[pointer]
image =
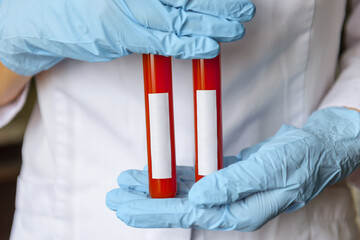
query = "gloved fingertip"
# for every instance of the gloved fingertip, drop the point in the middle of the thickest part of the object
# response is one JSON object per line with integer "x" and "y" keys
{"x": 196, "y": 48}
{"x": 195, "y": 200}
{"x": 247, "y": 12}
{"x": 215, "y": 189}
{"x": 146, "y": 168}
{"x": 131, "y": 177}
{"x": 110, "y": 199}
{"x": 209, "y": 53}
{"x": 212, "y": 49}
{"x": 237, "y": 32}
{"x": 202, "y": 194}
{"x": 123, "y": 176}
{"x": 133, "y": 214}
{"x": 124, "y": 217}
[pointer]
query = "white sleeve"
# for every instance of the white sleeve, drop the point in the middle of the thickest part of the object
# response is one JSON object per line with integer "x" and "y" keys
{"x": 346, "y": 90}
{"x": 8, "y": 112}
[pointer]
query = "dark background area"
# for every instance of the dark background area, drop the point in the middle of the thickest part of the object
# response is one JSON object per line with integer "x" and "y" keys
{"x": 10, "y": 163}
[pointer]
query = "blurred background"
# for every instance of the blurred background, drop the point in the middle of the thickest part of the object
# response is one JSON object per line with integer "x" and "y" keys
{"x": 10, "y": 163}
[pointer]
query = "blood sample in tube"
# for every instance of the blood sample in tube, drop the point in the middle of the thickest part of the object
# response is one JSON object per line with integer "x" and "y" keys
{"x": 159, "y": 125}
{"x": 208, "y": 121}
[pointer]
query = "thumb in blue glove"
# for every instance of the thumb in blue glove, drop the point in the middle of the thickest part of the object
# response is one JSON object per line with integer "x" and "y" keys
{"x": 301, "y": 162}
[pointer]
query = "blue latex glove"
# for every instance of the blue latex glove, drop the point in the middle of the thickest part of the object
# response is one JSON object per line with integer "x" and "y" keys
{"x": 282, "y": 173}
{"x": 37, "y": 34}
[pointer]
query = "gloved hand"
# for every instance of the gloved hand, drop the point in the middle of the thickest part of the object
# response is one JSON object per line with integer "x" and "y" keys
{"x": 37, "y": 34}
{"x": 280, "y": 174}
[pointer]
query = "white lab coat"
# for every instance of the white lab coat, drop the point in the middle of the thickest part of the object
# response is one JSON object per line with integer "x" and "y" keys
{"x": 89, "y": 125}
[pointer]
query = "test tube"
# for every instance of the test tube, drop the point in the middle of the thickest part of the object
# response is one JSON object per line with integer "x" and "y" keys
{"x": 208, "y": 123}
{"x": 159, "y": 125}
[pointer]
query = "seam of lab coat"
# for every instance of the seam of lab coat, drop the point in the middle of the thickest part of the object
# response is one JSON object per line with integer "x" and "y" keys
{"x": 304, "y": 107}
{"x": 318, "y": 99}
{"x": 63, "y": 163}
{"x": 297, "y": 113}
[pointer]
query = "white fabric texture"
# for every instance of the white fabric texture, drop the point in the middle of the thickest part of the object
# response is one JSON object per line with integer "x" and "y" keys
{"x": 346, "y": 91}
{"x": 89, "y": 125}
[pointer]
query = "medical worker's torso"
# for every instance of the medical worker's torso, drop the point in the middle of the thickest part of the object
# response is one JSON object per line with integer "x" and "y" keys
{"x": 89, "y": 125}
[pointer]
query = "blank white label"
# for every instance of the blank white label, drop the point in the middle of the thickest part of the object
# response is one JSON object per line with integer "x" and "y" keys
{"x": 207, "y": 131}
{"x": 160, "y": 135}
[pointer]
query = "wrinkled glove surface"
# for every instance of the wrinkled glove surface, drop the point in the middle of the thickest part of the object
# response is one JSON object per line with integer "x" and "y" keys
{"x": 281, "y": 174}
{"x": 37, "y": 34}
